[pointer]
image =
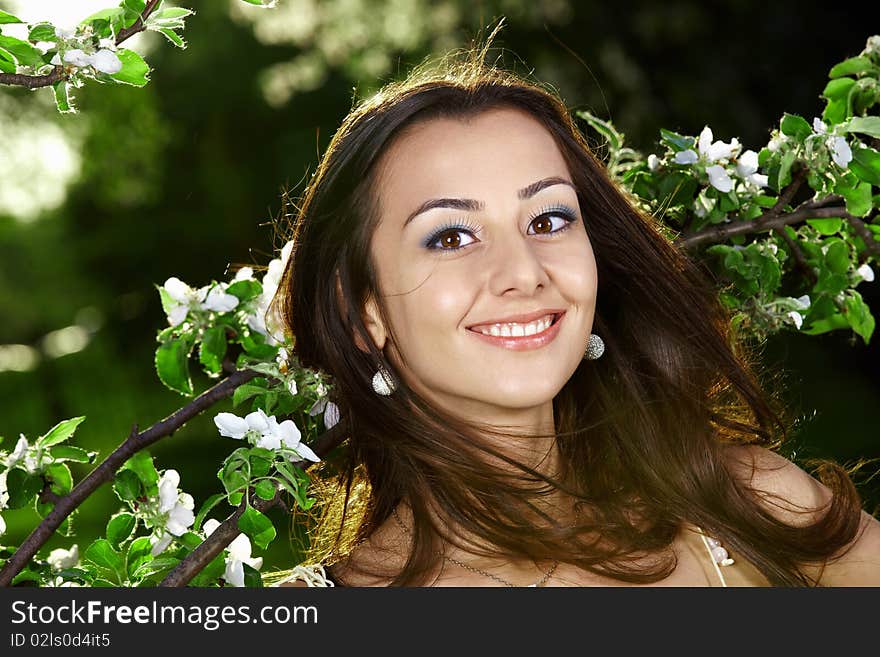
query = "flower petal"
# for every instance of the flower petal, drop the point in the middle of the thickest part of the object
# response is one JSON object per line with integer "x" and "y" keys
{"x": 866, "y": 272}
{"x": 718, "y": 178}
{"x": 231, "y": 426}
{"x": 685, "y": 157}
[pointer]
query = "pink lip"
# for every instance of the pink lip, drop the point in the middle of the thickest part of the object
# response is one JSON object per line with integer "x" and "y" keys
{"x": 525, "y": 342}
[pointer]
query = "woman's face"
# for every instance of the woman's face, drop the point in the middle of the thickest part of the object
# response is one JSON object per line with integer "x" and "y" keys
{"x": 502, "y": 236}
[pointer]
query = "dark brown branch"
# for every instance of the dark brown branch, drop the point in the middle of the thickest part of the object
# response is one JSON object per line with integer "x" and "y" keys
{"x": 34, "y": 81}
{"x": 801, "y": 263}
{"x": 61, "y": 72}
{"x": 765, "y": 223}
{"x": 139, "y": 24}
{"x": 872, "y": 245}
{"x": 106, "y": 470}
{"x": 226, "y": 532}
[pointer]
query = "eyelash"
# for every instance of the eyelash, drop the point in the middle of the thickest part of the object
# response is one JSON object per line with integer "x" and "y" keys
{"x": 569, "y": 215}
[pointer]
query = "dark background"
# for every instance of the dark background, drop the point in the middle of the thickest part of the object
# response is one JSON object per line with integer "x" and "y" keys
{"x": 183, "y": 177}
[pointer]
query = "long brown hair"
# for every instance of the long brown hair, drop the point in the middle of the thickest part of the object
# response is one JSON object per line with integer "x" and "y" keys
{"x": 641, "y": 432}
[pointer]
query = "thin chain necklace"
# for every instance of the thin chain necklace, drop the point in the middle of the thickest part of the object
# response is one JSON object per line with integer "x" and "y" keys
{"x": 540, "y": 582}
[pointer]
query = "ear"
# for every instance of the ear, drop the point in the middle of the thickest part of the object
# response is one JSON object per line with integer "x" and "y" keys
{"x": 371, "y": 318}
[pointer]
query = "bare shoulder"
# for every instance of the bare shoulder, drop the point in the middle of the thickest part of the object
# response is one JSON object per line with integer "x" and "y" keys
{"x": 791, "y": 494}
{"x": 797, "y": 498}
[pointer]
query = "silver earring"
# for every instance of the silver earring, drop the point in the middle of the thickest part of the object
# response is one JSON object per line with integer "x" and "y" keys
{"x": 383, "y": 382}
{"x": 595, "y": 347}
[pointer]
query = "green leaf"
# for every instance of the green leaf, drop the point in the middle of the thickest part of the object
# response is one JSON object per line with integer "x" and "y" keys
{"x": 127, "y": 485}
{"x": 826, "y": 324}
{"x": 213, "y": 348}
{"x": 837, "y": 256}
{"x": 22, "y": 487}
{"x": 858, "y": 315}
{"x": 858, "y": 199}
{"x": 62, "y": 97}
{"x": 8, "y": 18}
{"x": 868, "y": 125}
{"x": 828, "y": 226}
{"x": 676, "y": 141}
{"x": 211, "y": 573}
{"x": 172, "y": 36}
{"x": 23, "y": 52}
{"x": 103, "y": 14}
{"x": 852, "y": 66}
{"x": 171, "y": 13}
{"x": 154, "y": 566}
{"x": 784, "y": 176}
{"x": 101, "y": 553}
{"x": 611, "y": 136}
{"x": 134, "y": 6}
{"x": 252, "y": 577}
{"x": 246, "y": 391}
{"x": 208, "y": 504}
{"x": 120, "y": 528}
{"x": 61, "y": 481}
{"x": 172, "y": 366}
{"x": 837, "y": 89}
{"x": 139, "y": 552}
{"x": 71, "y": 453}
{"x": 257, "y": 526}
{"x": 42, "y": 32}
{"x": 245, "y": 290}
{"x": 135, "y": 70}
{"x": 142, "y": 465}
{"x": 6, "y": 65}
{"x": 60, "y": 432}
{"x": 866, "y": 164}
{"x": 795, "y": 126}
{"x": 265, "y": 489}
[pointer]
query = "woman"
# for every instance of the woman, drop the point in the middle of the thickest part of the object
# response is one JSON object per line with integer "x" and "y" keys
{"x": 539, "y": 389}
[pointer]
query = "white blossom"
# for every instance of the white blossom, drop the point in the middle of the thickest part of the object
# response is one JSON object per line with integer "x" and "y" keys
{"x": 873, "y": 45}
{"x": 182, "y": 297}
{"x": 238, "y": 553}
{"x": 331, "y": 415}
{"x": 265, "y": 432}
{"x": 4, "y": 491}
{"x": 59, "y": 559}
{"x": 686, "y": 157}
{"x": 106, "y": 61}
{"x": 77, "y": 57}
{"x": 63, "y": 33}
{"x": 796, "y": 318}
{"x": 819, "y": 126}
{"x": 18, "y": 452}
{"x": 218, "y": 300}
{"x": 840, "y": 151}
{"x": 653, "y": 162}
{"x": 718, "y": 178}
{"x": 107, "y": 43}
{"x": 244, "y": 274}
{"x": 774, "y": 144}
{"x": 2, "y": 526}
{"x": 230, "y": 425}
{"x": 56, "y": 60}
{"x": 803, "y": 301}
{"x": 718, "y": 150}
{"x": 177, "y": 511}
{"x": 866, "y": 272}
{"x": 747, "y": 168}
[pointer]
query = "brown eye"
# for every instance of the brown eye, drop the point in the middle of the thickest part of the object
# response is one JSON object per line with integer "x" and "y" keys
{"x": 543, "y": 221}
{"x": 451, "y": 240}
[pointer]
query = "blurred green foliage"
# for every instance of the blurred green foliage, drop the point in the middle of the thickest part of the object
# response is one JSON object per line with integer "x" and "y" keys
{"x": 183, "y": 177}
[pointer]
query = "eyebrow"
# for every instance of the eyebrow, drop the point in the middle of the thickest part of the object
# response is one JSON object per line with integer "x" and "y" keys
{"x": 473, "y": 205}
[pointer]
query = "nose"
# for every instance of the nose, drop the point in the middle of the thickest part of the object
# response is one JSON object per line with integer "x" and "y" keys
{"x": 516, "y": 266}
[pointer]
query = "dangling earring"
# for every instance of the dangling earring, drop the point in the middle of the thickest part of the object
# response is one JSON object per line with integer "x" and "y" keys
{"x": 383, "y": 382}
{"x": 595, "y": 347}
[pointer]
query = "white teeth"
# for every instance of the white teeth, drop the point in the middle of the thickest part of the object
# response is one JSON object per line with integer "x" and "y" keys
{"x": 515, "y": 330}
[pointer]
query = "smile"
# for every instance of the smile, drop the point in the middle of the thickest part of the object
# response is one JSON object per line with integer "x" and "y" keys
{"x": 521, "y": 337}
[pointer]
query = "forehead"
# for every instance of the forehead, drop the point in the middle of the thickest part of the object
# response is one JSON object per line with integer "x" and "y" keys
{"x": 499, "y": 150}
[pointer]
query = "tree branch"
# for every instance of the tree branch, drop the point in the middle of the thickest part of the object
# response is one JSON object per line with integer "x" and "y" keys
{"x": 226, "y": 532}
{"x": 106, "y": 470}
{"x": 766, "y": 222}
{"x": 139, "y": 24}
{"x": 61, "y": 72}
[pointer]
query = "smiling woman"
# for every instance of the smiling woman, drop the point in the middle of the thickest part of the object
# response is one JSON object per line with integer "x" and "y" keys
{"x": 539, "y": 389}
